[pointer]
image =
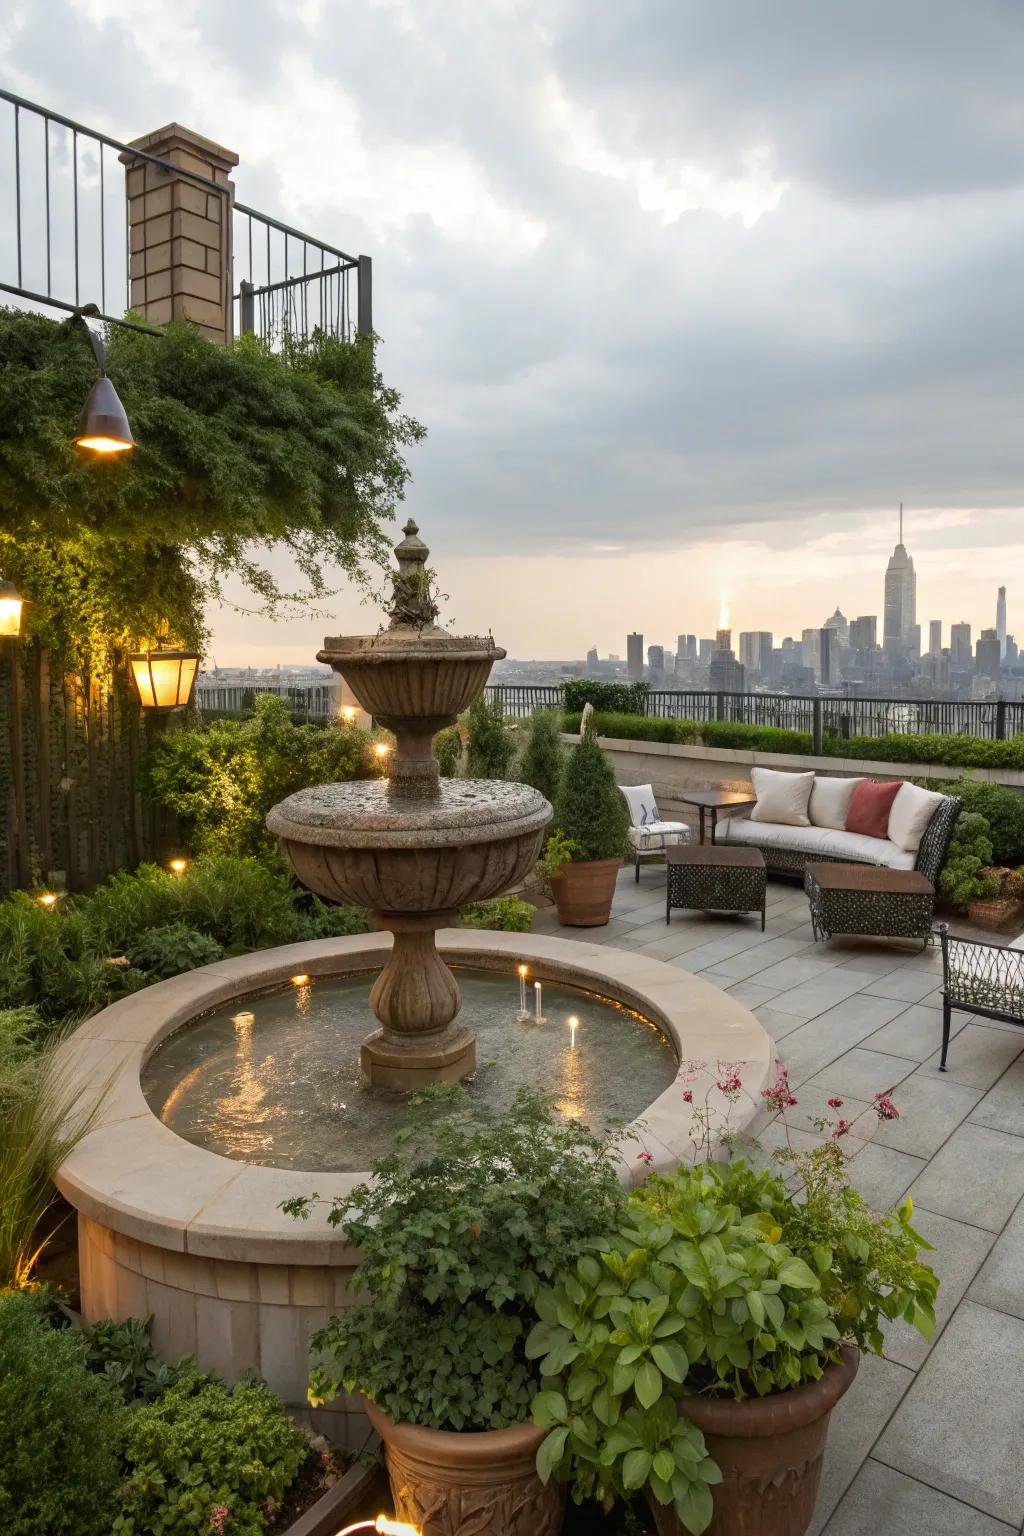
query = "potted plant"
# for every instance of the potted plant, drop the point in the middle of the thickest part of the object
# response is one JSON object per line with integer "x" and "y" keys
{"x": 463, "y": 1224}
{"x": 698, "y": 1357}
{"x": 1005, "y": 903}
{"x": 592, "y": 817}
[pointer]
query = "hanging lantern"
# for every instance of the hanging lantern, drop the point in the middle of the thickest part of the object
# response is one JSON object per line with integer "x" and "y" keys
{"x": 11, "y": 604}
{"x": 103, "y": 427}
{"x": 164, "y": 678}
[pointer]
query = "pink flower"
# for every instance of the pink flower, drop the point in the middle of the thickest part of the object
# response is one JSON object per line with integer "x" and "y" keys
{"x": 779, "y": 1095}
{"x": 219, "y": 1517}
{"x": 885, "y": 1109}
{"x": 645, "y": 1157}
{"x": 841, "y": 1129}
{"x": 835, "y": 1103}
{"x": 689, "y": 1071}
{"x": 688, "y": 1096}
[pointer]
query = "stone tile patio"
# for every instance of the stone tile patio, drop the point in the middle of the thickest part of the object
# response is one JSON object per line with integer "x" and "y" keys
{"x": 927, "y": 1442}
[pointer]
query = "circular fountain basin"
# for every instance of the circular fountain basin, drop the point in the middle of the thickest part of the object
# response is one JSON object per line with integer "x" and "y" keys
{"x": 197, "y": 1238}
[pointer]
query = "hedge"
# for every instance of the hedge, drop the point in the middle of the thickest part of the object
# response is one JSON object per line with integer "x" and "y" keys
{"x": 951, "y": 751}
{"x": 627, "y": 698}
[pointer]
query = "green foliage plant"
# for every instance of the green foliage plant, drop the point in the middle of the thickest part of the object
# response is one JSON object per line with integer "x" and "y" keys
{"x": 173, "y": 948}
{"x": 964, "y": 876}
{"x": 1002, "y": 808}
{"x": 124, "y": 1354}
{"x": 490, "y": 745}
{"x": 448, "y": 750}
{"x": 591, "y": 810}
{"x": 558, "y": 850}
{"x": 542, "y": 763}
{"x": 464, "y": 1222}
{"x": 637, "y": 727}
{"x": 207, "y": 1457}
{"x": 507, "y": 914}
{"x": 60, "y": 1429}
{"x": 219, "y": 780}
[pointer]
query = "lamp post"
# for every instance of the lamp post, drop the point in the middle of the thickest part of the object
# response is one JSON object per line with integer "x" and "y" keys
{"x": 103, "y": 426}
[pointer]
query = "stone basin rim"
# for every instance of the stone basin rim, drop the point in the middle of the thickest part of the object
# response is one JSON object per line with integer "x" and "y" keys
{"x": 366, "y": 814}
{"x": 135, "y": 1176}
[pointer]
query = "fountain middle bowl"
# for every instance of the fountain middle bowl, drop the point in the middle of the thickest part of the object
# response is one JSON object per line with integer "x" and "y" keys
{"x": 361, "y": 844}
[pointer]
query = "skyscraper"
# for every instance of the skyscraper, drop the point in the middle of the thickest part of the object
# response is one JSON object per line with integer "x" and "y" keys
{"x": 635, "y": 657}
{"x": 826, "y": 655}
{"x": 864, "y": 632}
{"x": 756, "y": 649}
{"x": 987, "y": 655}
{"x": 900, "y": 597}
{"x": 840, "y": 627}
{"x": 960, "y": 652}
{"x": 934, "y": 637}
{"x": 1001, "y": 622}
{"x": 656, "y": 658}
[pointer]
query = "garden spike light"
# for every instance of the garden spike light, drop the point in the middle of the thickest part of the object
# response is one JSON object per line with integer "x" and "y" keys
{"x": 383, "y": 1525}
{"x": 103, "y": 427}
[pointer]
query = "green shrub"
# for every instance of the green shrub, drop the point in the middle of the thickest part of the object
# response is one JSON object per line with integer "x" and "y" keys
{"x": 591, "y": 810}
{"x": 638, "y": 728}
{"x": 220, "y": 780}
{"x": 448, "y": 751}
{"x": 957, "y": 751}
{"x": 175, "y": 947}
{"x": 123, "y": 1353}
{"x": 755, "y": 738}
{"x": 201, "y": 1445}
{"x": 1002, "y": 808}
{"x": 612, "y": 698}
{"x": 490, "y": 747}
{"x": 465, "y": 1220}
{"x": 509, "y": 914}
{"x": 60, "y": 1429}
{"x": 970, "y": 852}
{"x": 543, "y": 761}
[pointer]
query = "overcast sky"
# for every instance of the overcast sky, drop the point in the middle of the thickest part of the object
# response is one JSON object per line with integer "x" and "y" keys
{"x": 688, "y": 293}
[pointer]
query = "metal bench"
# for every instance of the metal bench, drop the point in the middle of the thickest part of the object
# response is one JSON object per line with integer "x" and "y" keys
{"x": 986, "y": 979}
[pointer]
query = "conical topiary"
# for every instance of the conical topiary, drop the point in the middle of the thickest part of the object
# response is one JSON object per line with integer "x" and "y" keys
{"x": 543, "y": 762}
{"x": 590, "y": 808}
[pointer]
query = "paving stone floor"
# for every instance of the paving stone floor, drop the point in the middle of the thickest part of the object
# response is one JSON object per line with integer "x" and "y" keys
{"x": 927, "y": 1442}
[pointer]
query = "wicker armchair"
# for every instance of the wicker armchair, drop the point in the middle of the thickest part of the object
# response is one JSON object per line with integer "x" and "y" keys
{"x": 981, "y": 978}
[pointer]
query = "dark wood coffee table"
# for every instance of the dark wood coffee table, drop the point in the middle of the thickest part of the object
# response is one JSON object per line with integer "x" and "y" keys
{"x": 866, "y": 899}
{"x": 708, "y": 879}
{"x": 715, "y": 800}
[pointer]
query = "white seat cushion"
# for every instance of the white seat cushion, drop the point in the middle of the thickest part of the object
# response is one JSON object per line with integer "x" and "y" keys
{"x": 643, "y": 808}
{"x": 781, "y": 797}
{"x": 657, "y": 835}
{"x": 910, "y": 814}
{"x": 823, "y": 840}
{"x": 830, "y": 801}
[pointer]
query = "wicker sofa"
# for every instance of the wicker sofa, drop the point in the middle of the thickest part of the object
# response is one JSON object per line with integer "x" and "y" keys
{"x": 788, "y": 850}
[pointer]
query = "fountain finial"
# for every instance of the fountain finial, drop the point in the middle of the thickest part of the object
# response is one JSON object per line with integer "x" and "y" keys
{"x": 412, "y": 603}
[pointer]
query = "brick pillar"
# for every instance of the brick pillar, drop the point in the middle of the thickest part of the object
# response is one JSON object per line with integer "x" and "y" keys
{"x": 179, "y": 231}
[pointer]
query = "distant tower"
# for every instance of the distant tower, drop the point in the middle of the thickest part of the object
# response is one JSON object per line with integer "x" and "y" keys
{"x": 635, "y": 657}
{"x": 900, "y": 597}
{"x": 1001, "y": 622}
{"x": 935, "y": 637}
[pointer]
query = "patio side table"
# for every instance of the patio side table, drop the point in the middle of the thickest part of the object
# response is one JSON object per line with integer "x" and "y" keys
{"x": 712, "y": 879}
{"x": 866, "y": 899}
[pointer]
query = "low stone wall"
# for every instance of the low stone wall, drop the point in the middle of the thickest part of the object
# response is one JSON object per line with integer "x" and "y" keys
{"x": 672, "y": 770}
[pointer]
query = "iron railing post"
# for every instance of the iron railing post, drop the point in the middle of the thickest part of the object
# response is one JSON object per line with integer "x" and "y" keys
{"x": 816, "y": 732}
{"x": 246, "y": 308}
{"x": 1000, "y": 719}
{"x": 364, "y": 312}
{"x": 719, "y": 706}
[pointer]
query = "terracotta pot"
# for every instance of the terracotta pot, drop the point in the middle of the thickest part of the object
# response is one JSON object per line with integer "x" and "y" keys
{"x": 584, "y": 892}
{"x": 770, "y": 1451}
{"x": 473, "y": 1484}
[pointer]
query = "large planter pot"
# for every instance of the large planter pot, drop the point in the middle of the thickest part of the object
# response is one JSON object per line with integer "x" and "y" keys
{"x": 584, "y": 892}
{"x": 999, "y": 912}
{"x": 770, "y": 1451}
{"x": 474, "y": 1484}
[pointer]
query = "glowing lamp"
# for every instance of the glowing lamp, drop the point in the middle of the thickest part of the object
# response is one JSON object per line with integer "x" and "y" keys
{"x": 382, "y": 749}
{"x": 348, "y": 713}
{"x": 47, "y": 899}
{"x": 178, "y": 866}
{"x": 103, "y": 427}
{"x": 164, "y": 678}
{"x": 300, "y": 981}
{"x": 384, "y": 1526}
{"x": 11, "y": 604}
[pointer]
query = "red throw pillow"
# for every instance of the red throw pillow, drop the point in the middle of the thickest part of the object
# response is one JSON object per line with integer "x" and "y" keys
{"x": 870, "y": 805}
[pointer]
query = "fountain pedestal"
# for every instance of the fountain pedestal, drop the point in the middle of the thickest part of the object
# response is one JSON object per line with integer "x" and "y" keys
{"x": 413, "y": 848}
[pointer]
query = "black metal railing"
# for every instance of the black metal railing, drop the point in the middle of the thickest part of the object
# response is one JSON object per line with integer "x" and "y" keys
{"x": 64, "y": 235}
{"x": 818, "y": 715}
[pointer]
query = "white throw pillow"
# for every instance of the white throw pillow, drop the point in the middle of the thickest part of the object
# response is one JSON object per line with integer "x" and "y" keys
{"x": 911, "y": 812}
{"x": 643, "y": 808}
{"x": 830, "y": 801}
{"x": 781, "y": 797}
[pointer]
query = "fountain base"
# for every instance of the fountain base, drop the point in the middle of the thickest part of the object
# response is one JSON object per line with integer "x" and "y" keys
{"x": 402, "y": 1065}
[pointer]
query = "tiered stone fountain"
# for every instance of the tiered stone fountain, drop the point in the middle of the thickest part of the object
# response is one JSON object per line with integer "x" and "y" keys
{"x": 413, "y": 848}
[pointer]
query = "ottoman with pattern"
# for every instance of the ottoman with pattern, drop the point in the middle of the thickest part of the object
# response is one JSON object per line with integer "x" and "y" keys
{"x": 865, "y": 899}
{"x": 708, "y": 878}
